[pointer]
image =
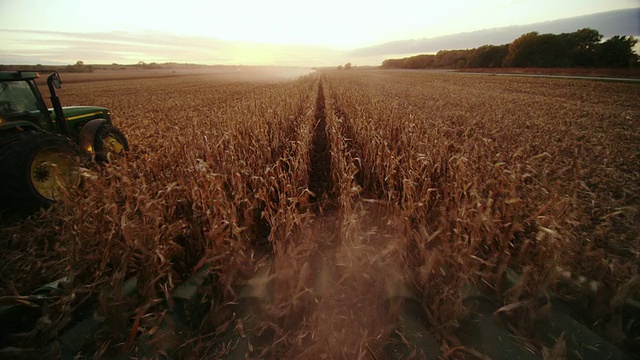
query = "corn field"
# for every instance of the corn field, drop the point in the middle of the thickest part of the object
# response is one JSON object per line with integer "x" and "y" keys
{"x": 331, "y": 197}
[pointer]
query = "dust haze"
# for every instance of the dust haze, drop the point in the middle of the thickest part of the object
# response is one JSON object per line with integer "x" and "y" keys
{"x": 333, "y": 291}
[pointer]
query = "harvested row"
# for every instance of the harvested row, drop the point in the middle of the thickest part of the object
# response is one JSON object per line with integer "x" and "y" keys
{"x": 320, "y": 182}
{"x": 216, "y": 169}
{"x": 491, "y": 175}
{"x": 338, "y": 289}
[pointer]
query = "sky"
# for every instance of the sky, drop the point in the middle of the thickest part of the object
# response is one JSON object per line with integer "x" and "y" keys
{"x": 252, "y": 32}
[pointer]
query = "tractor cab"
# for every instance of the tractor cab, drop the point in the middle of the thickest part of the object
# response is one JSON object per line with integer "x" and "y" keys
{"x": 20, "y": 100}
{"x": 39, "y": 145}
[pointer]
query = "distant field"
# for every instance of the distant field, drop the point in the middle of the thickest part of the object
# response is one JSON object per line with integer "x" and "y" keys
{"x": 230, "y": 73}
{"x": 630, "y": 73}
{"x": 352, "y": 187}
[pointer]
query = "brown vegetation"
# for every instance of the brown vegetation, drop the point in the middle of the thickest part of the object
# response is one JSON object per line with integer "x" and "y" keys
{"x": 430, "y": 182}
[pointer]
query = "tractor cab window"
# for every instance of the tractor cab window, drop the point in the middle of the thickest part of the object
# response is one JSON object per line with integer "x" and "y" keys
{"x": 18, "y": 102}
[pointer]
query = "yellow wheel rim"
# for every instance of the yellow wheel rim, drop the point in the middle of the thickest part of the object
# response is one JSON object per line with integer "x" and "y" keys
{"x": 53, "y": 172}
{"x": 112, "y": 145}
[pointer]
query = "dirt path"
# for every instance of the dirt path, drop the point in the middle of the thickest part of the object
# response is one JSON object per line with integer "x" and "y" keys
{"x": 337, "y": 295}
{"x": 338, "y": 290}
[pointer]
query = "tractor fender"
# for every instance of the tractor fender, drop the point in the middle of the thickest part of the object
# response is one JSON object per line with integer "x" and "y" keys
{"x": 88, "y": 134}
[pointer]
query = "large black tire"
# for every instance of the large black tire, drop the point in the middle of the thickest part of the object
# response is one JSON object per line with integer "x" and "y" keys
{"x": 109, "y": 142}
{"x": 37, "y": 169}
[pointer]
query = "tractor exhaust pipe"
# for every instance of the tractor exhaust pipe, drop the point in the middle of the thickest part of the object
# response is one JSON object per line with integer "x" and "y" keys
{"x": 53, "y": 82}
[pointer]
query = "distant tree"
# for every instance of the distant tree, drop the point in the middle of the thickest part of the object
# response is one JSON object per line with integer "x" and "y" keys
{"x": 585, "y": 38}
{"x": 451, "y": 58}
{"x": 521, "y": 51}
{"x": 535, "y": 50}
{"x": 79, "y": 66}
{"x": 488, "y": 56}
{"x": 580, "y": 48}
{"x": 340, "y": 67}
{"x": 419, "y": 62}
{"x": 551, "y": 50}
{"x": 347, "y": 66}
{"x": 394, "y": 63}
{"x": 583, "y": 46}
{"x": 617, "y": 52}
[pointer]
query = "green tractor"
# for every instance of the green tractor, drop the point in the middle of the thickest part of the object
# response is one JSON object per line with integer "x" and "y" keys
{"x": 40, "y": 147}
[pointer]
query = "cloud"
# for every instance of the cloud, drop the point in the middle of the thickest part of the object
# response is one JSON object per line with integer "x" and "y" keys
{"x": 127, "y": 47}
{"x": 619, "y": 22}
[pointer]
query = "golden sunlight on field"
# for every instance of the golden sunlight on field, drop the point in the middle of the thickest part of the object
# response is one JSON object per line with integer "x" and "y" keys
{"x": 346, "y": 214}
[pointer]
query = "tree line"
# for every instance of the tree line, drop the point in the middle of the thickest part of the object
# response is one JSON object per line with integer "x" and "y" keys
{"x": 582, "y": 48}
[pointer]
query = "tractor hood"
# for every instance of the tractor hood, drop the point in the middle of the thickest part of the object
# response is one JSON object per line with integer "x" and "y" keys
{"x": 74, "y": 113}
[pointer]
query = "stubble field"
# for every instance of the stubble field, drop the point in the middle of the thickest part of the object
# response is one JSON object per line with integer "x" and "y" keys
{"x": 344, "y": 191}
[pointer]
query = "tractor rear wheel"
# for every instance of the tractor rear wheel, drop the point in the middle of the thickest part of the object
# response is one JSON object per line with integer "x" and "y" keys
{"x": 38, "y": 169}
{"x": 109, "y": 141}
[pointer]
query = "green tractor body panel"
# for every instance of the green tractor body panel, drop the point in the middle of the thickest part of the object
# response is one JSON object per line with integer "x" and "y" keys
{"x": 78, "y": 116}
{"x": 83, "y": 113}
